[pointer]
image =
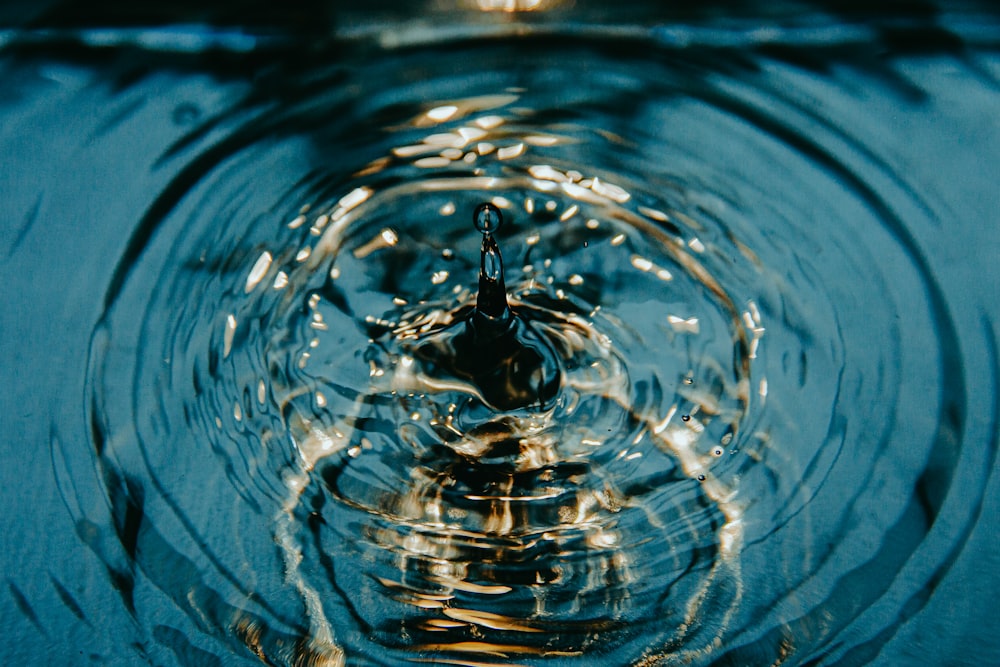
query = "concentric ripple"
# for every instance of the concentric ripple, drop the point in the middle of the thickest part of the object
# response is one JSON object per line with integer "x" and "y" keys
{"x": 757, "y": 415}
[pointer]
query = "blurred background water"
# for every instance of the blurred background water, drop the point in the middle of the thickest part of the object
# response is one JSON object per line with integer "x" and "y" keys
{"x": 756, "y": 243}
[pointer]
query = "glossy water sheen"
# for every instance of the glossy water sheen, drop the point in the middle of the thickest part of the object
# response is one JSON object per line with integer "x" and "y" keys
{"x": 738, "y": 407}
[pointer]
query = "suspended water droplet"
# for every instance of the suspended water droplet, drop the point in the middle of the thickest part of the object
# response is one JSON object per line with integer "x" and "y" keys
{"x": 487, "y": 218}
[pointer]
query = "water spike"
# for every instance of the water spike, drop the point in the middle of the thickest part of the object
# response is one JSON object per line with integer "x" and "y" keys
{"x": 511, "y": 365}
{"x": 491, "y": 302}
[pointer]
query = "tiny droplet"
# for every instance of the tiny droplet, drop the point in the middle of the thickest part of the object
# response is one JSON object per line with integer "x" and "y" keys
{"x": 487, "y": 218}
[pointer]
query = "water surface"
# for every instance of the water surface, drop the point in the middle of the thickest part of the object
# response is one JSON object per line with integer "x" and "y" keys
{"x": 750, "y": 251}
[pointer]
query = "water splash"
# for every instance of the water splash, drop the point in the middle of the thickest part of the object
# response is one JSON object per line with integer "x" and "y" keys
{"x": 625, "y": 445}
{"x": 491, "y": 301}
{"x": 514, "y": 496}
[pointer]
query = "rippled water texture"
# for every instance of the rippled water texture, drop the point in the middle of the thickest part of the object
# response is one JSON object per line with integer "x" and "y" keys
{"x": 746, "y": 414}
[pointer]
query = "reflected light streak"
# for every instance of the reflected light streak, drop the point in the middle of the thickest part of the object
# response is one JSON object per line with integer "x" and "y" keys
{"x": 511, "y": 6}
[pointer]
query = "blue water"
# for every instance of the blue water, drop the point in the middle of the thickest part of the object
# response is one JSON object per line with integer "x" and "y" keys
{"x": 757, "y": 243}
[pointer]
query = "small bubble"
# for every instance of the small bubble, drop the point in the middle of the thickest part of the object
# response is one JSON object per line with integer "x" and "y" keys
{"x": 717, "y": 451}
{"x": 487, "y": 218}
{"x": 686, "y": 418}
{"x": 701, "y": 478}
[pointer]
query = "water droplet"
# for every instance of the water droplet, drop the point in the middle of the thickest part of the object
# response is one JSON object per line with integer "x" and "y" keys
{"x": 686, "y": 418}
{"x": 487, "y": 218}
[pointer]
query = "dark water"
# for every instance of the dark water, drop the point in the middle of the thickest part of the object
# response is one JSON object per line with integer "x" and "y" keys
{"x": 746, "y": 415}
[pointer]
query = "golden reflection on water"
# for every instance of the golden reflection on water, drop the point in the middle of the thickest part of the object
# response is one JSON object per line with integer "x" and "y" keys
{"x": 512, "y": 6}
{"x": 435, "y": 544}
